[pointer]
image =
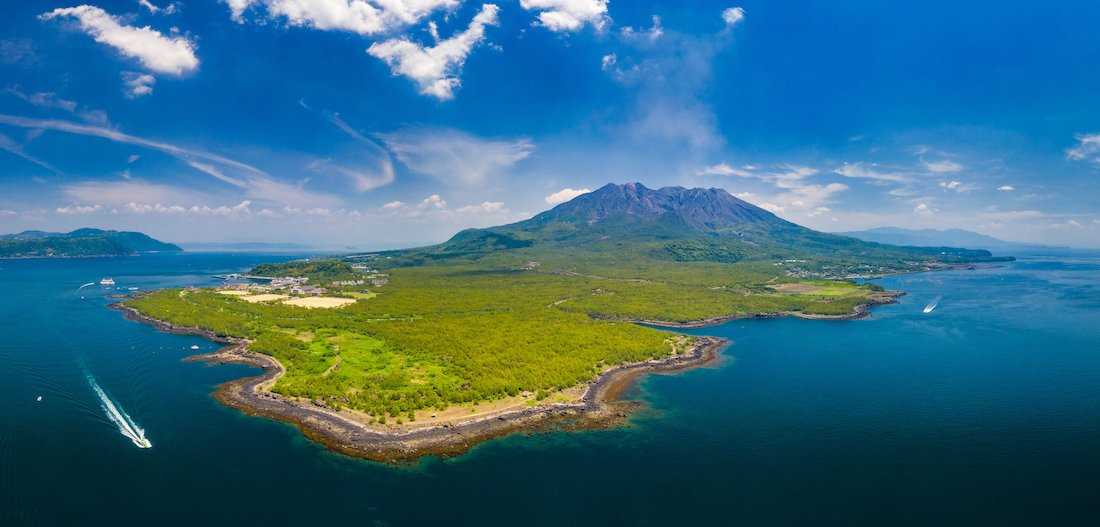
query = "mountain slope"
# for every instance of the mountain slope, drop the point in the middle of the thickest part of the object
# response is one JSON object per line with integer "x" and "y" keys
{"x": 81, "y": 242}
{"x": 679, "y": 224}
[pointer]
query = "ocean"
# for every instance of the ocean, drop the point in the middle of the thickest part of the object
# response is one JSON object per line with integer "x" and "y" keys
{"x": 985, "y": 410}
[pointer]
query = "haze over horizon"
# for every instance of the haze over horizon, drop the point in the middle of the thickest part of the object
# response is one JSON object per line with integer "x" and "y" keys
{"x": 344, "y": 122}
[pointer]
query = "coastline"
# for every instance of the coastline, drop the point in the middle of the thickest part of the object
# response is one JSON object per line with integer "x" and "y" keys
{"x": 599, "y": 406}
{"x": 863, "y": 310}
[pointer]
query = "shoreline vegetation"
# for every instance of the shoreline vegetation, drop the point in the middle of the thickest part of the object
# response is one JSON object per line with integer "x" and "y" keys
{"x": 595, "y": 404}
{"x": 518, "y": 326}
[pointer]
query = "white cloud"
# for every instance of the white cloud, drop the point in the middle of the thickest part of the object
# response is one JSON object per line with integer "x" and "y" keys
{"x": 942, "y": 167}
{"x": 568, "y": 15}
{"x": 796, "y": 197}
{"x": 456, "y": 157}
{"x": 170, "y": 55}
{"x": 362, "y": 179}
{"x": 608, "y": 61}
{"x": 1006, "y": 188}
{"x": 9, "y": 145}
{"x": 119, "y": 193}
{"x": 1087, "y": 149}
{"x": 724, "y": 169}
{"x": 565, "y": 194}
{"x": 238, "y": 7}
{"x": 677, "y": 120}
{"x": 357, "y": 16}
{"x": 957, "y": 186}
{"x": 51, "y": 100}
{"x": 7, "y": 212}
{"x": 137, "y": 84}
{"x": 670, "y": 79}
{"x": 215, "y": 172}
{"x": 652, "y": 34}
{"x": 166, "y": 10}
{"x": 43, "y": 99}
{"x": 243, "y": 208}
{"x": 433, "y": 201}
{"x": 132, "y": 158}
{"x": 79, "y": 209}
{"x": 435, "y": 69}
{"x": 393, "y": 205}
{"x": 732, "y": 15}
{"x": 861, "y": 171}
{"x": 721, "y": 169}
{"x": 369, "y": 178}
{"x": 487, "y": 207}
{"x": 924, "y": 209}
{"x": 256, "y": 183}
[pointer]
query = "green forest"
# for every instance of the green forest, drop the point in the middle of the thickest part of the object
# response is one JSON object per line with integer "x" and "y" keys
{"x": 440, "y": 335}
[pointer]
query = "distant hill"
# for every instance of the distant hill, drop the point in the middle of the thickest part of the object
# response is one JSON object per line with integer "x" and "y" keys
{"x": 81, "y": 242}
{"x": 946, "y": 237}
{"x": 680, "y": 224}
{"x": 250, "y": 247}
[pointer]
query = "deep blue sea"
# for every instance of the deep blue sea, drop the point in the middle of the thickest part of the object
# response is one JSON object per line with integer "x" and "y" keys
{"x": 985, "y": 411}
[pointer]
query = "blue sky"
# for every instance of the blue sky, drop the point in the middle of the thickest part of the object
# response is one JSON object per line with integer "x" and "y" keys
{"x": 383, "y": 123}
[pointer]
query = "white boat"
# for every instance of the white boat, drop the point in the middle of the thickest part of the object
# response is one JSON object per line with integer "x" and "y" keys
{"x": 194, "y": 346}
{"x": 107, "y": 281}
{"x": 38, "y": 399}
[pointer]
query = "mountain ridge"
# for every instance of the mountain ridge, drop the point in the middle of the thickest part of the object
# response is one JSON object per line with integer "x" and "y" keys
{"x": 678, "y": 224}
{"x": 80, "y": 242}
{"x": 943, "y": 237}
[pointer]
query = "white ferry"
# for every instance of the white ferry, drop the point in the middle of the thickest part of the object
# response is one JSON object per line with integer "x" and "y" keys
{"x": 107, "y": 281}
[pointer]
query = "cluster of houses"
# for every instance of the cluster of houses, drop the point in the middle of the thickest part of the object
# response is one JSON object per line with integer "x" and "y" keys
{"x": 371, "y": 275}
{"x": 284, "y": 282}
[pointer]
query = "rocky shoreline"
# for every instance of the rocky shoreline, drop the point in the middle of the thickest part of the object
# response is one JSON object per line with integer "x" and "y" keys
{"x": 599, "y": 406}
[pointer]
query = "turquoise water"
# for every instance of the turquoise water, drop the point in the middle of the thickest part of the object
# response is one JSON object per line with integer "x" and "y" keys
{"x": 985, "y": 411}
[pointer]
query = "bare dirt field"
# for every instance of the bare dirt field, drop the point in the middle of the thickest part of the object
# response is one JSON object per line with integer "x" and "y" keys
{"x": 267, "y": 297}
{"x": 322, "y": 302}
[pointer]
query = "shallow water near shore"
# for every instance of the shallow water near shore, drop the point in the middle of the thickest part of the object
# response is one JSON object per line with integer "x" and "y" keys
{"x": 986, "y": 410}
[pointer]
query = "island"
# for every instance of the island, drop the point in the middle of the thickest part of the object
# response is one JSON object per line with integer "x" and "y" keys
{"x": 81, "y": 243}
{"x": 398, "y": 354}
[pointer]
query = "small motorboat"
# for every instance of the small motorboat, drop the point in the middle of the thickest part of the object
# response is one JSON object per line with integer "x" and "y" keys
{"x": 107, "y": 281}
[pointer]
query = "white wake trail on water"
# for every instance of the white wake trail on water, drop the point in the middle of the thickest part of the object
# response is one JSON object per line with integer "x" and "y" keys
{"x": 118, "y": 416}
{"x": 932, "y": 305}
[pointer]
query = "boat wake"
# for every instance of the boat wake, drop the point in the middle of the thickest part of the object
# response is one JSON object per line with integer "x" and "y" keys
{"x": 932, "y": 305}
{"x": 118, "y": 416}
{"x": 89, "y": 284}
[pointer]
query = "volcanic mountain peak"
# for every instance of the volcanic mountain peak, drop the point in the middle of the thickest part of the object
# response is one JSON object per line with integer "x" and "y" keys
{"x": 698, "y": 208}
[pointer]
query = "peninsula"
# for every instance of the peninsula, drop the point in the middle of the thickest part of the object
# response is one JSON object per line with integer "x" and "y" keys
{"x": 79, "y": 243}
{"x": 398, "y": 354}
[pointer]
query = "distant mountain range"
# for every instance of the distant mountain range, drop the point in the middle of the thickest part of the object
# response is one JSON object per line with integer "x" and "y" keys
{"x": 248, "y": 247}
{"x": 81, "y": 242}
{"x": 681, "y": 224}
{"x": 946, "y": 238}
